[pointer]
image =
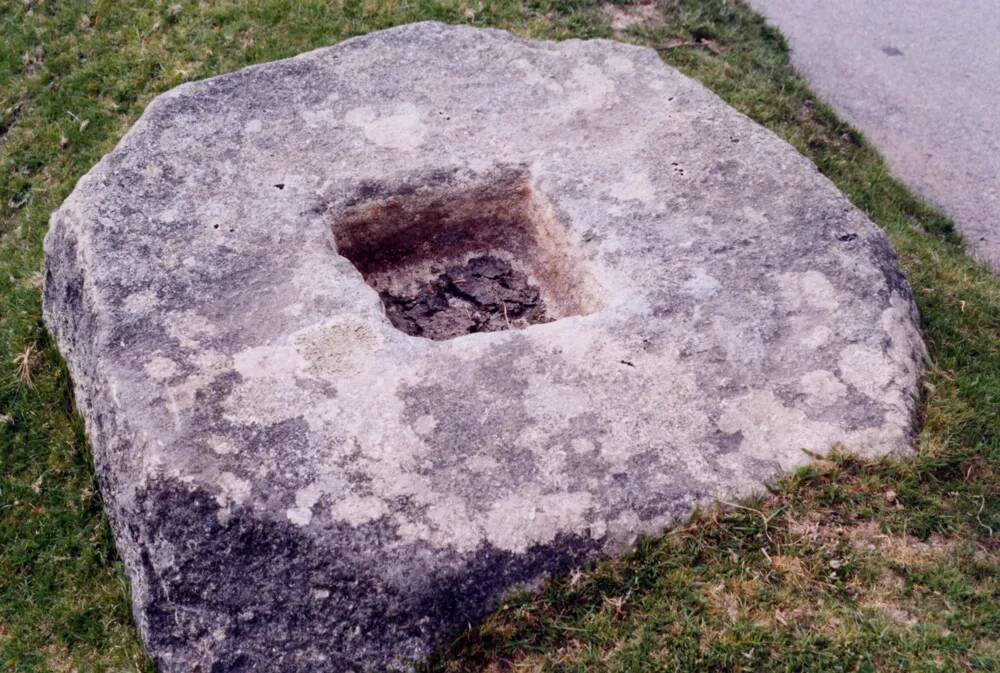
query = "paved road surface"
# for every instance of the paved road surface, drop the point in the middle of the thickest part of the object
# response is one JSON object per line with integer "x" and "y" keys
{"x": 921, "y": 79}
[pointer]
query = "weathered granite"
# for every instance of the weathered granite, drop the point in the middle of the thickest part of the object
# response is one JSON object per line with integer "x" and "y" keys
{"x": 296, "y": 485}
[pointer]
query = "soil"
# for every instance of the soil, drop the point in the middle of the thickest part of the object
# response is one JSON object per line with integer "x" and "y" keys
{"x": 485, "y": 294}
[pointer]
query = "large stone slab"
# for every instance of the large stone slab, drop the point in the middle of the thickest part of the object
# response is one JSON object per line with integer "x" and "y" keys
{"x": 265, "y": 295}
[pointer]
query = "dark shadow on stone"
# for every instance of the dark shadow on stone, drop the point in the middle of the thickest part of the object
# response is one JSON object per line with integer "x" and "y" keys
{"x": 265, "y": 595}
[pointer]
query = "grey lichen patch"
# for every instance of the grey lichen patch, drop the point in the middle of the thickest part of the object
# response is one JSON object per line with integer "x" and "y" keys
{"x": 262, "y": 295}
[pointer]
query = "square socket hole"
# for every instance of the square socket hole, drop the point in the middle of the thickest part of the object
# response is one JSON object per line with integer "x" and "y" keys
{"x": 456, "y": 254}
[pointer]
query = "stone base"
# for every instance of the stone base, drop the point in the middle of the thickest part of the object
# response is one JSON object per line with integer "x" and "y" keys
{"x": 366, "y": 338}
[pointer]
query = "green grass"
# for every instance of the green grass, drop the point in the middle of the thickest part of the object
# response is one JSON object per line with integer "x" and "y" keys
{"x": 848, "y": 566}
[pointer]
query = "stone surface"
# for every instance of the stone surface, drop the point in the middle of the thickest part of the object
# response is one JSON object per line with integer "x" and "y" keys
{"x": 296, "y": 485}
{"x": 921, "y": 79}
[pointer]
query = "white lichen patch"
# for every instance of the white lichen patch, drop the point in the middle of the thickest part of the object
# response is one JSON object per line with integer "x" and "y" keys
{"x": 207, "y": 364}
{"x": 817, "y": 337}
{"x": 634, "y": 186}
{"x": 534, "y": 77}
{"x": 761, "y": 418}
{"x": 161, "y": 368}
{"x": 259, "y": 402}
{"x": 232, "y": 491}
{"x": 305, "y": 499}
{"x": 324, "y": 115}
{"x": 516, "y": 522}
{"x": 357, "y": 510}
{"x": 481, "y": 463}
{"x": 190, "y": 328}
{"x": 141, "y": 302}
{"x": 906, "y": 347}
{"x": 400, "y": 126}
{"x": 223, "y": 446}
{"x": 809, "y": 289}
{"x": 867, "y": 369}
{"x": 555, "y": 405}
{"x": 425, "y": 424}
{"x": 591, "y": 89}
{"x": 265, "y": 362}
{"x": 701, "y": 285}
{"x": 269, "y": 389}
{"x": 821, "y": 387}
{"x": 450, "y": 524}
{"x": 620, "y": 64}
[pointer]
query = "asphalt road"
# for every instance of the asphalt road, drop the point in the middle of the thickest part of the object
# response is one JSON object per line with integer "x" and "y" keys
{"x": 921, "y": 79}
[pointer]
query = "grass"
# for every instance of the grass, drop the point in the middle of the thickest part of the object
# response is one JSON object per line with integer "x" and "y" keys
{"x": 847, "y": 566}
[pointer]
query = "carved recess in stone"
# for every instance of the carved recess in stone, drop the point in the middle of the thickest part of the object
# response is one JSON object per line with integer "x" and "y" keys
{"x": 451, "y": 256}
{"x": 322, "y": 444}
